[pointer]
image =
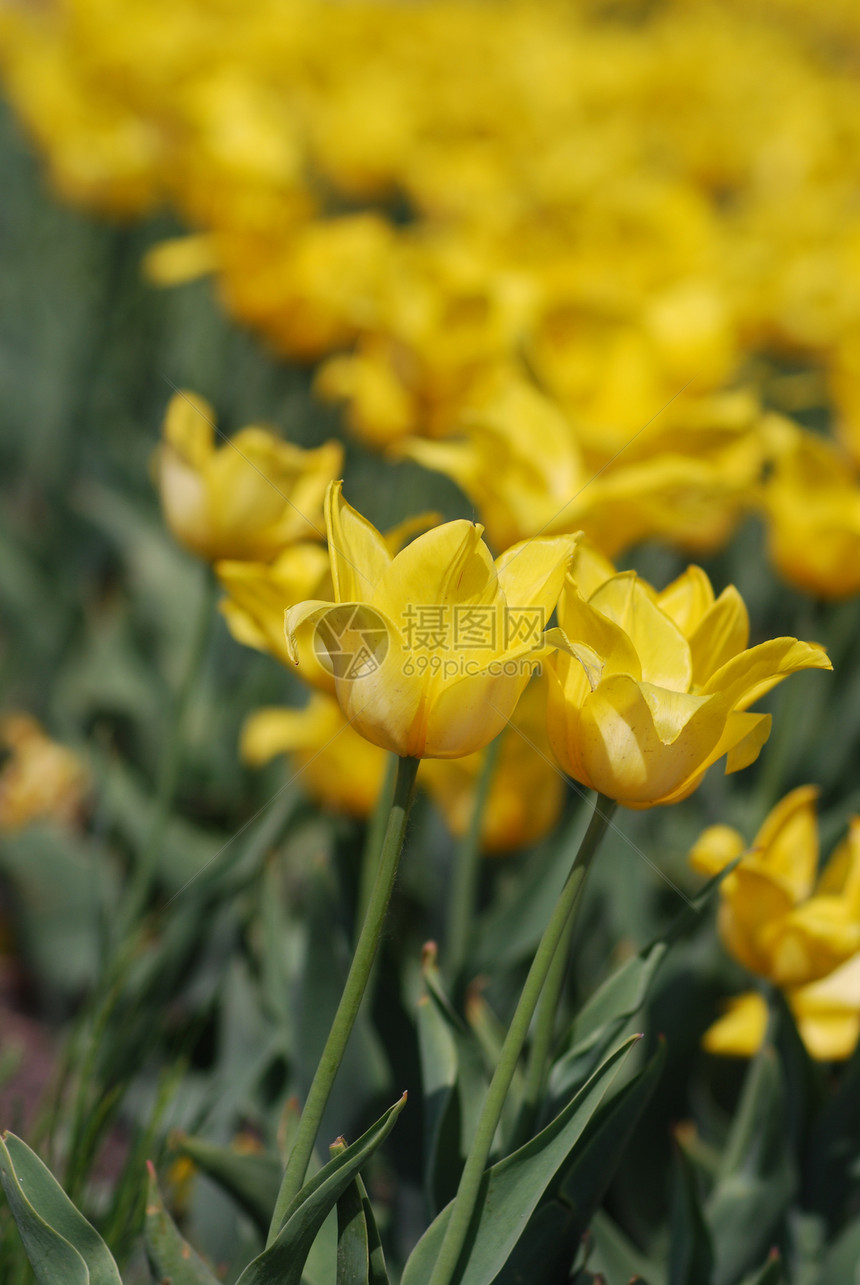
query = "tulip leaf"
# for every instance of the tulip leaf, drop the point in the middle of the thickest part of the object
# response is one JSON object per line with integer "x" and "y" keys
{"x": 830, "y": 1176}
{"x": 360, "y": 1258}
{"x": 549, "y": 1243}
{"x": 614, "y": 1255}
{"x": 756, "y": 1178}
{"x": 282, "y": 1262}
{"x": 251, "y": 1179}
{"x": 353, "y": 1249}
{"x": 512, "y": 1189}
{"x": 843, "y": 1256}
{"x": 602, "y": 1019}
{"x": 63, "y": 1248}
{"x": 170, "y": 1257}
{"x": 691, "y": 1254}
{"x": 454, "y": 1081}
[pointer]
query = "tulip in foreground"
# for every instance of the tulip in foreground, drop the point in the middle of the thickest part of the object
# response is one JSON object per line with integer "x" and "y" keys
{"x": 783, "y": 922}
{"x": 657, "y": 687}
{"x": 432, "y": 648}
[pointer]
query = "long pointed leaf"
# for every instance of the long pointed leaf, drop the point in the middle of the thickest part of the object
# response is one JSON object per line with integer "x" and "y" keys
{"x": 512, "y": 1189}
{"x": 170, "y": 1257}
{"x": 282, "y": 1262}
{"x": 63, "y": 1248}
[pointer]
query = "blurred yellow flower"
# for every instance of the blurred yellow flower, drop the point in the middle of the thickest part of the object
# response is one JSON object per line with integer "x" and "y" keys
{"x": 656, "y": 687}
{"x": 784, "y": 922}
{"x": 339, "y": 768}
{"x": 246, "y": 499}
{"x": 40, "y": 778}
{"x": 526, "y": 792}
{"x": 344, "y": 772}
{"x": 811, "y": 503}
{"x": 431, "y": 649}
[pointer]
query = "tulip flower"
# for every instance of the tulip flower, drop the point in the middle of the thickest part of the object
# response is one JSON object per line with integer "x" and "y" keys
{"x": 338, "y": 768}
{"x": 526, "y": 792}
{"x": 431, "y": 649}
{"x": 784, "y": 922}
{"x": 39, "y": 778}
{"x": 246, "y": 499}
{"x": 812, "y": 506}
{"x": 657, "y": 687}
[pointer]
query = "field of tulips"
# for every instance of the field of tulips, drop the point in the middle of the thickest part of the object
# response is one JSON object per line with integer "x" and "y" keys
{"x": 430, "y": 587}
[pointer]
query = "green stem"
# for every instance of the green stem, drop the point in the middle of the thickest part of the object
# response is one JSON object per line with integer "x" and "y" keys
{"x": 353, "y": 992}
{"x": 541, "y": 1044}
{"x": 373, "y": 840}
{"x": 145, "y": 868}
{"x": 466, "y": 1198}
{"x": 464, "y": 883}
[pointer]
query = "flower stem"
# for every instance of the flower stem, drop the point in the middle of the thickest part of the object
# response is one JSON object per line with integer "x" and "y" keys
{"x": 465, "y": 1200}
{"x": 373, "y": 841}
{"x": 168, "y": 768}
{"x": 464, "y": 884}
{"x": 353, "y": 992}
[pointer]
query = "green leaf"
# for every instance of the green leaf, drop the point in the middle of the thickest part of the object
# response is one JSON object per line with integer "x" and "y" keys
{"x": 549, "y": 1243}
{"x": 512, "y": 1189}
{"x": 829, "y": 1175}
{"x": 252, "y": 1180}
{"x": 615, "y": 1256}
{"x": 757, "y": 1177}
{"x": 282, "y": 1262}
{"x": 170, "y": 1257}
{"x": 360, "y": 1260}
{"x": 353, "y": 1249}
{"x": 842, "y": 1264}
{"x": 63, "y": 1248}
{"x": 454, "y": 1080}
{"x": 691, "y": 1254}
{"x": 602, "y": 1019}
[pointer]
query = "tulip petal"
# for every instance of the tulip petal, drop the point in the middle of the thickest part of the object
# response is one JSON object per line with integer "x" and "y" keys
{"x": 277, "y": 730}
{"x": 750, "y": 675}
{"x": 663, "y": 651}
{"x": 359, "y": 556}
{"x": 716, "y": 848}
{"x": 722, "y": 633}
{"x": 563, "y": 715}
{"x": 300, "y": 632}
{"x": 583, "y": 623}
{"x": 466, "y": 715}
{"x": 189, "y": 427}
{"x": 687, "y": 599}
{"x": 531, "y": 573}
{"x": 446, "y": 567}
{"x": 787, "y": 842}
{"x": 741, "y": 1030}
{"x": 640, "y": 743}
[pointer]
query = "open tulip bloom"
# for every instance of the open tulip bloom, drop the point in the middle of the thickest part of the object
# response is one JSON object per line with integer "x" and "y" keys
{"x": 657, "y": 686}
{"x": 430, "y": 649}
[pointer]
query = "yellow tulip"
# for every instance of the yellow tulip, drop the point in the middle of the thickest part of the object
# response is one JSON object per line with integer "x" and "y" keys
{"x": 246, "y": 499}
{"x": 812, "y": 507}
{"x": 39, "y": 778}
{"x": 259, "y": 591}
{"x": 827, "y": 1014}
{"x": 656, "y": 687}
{"x": 431, "y": 649}
{"x": 526, "y": 792}
{"x": 782, "y": 921}
{"x": 337, "y": 766}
